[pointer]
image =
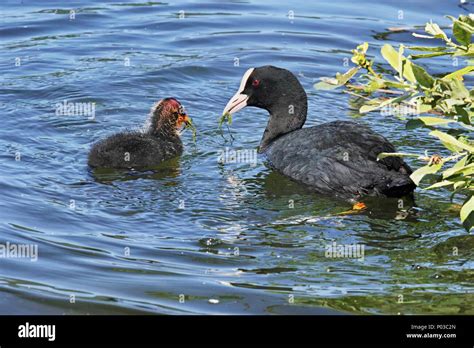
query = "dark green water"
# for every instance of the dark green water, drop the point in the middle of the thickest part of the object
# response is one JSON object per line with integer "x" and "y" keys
{"x": 226, "y": 238}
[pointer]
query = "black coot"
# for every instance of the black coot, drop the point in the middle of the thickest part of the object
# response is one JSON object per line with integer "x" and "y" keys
{"x": 337, "y": 158}
{"x": 149, "y": 148}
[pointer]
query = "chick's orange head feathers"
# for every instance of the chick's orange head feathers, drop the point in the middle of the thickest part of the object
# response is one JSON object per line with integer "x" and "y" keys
{"x": 173, "y": 108}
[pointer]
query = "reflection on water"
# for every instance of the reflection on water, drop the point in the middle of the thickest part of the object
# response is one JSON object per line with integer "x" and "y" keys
{"x": 169, "y": 169}
{"x": 194, "y": 235}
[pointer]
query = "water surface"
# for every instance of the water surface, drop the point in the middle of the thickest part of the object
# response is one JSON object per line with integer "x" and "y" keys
{"x": 198, "y": 236}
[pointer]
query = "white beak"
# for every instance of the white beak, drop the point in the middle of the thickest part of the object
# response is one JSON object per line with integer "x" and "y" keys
{"x": 239, "y": 100}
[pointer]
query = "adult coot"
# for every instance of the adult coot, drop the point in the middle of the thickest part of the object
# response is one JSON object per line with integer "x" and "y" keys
{"x": 148, "y": 148}
{"x": 337, "y": 158}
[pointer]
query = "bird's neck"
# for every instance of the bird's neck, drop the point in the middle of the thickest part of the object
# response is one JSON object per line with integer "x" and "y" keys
{"x": 162, "y": 127}
{"x": 284, "y": 118}
{"x": 164, "y": 133}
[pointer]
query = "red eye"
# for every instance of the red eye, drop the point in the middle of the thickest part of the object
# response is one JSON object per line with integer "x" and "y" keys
{"x": 255, "y": 83}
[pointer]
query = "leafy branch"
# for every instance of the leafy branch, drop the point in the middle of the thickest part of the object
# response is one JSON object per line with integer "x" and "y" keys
{"x": 409, "y": 90}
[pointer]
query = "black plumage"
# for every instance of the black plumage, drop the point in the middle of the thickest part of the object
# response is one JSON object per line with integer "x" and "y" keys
{"x": 337, "y": 158}
{"x": 340, "y": 158}
{"x": 141, "y": 149}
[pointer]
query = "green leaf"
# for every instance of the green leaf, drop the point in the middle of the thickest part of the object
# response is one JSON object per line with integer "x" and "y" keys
{"x": 469, "y": 222}
{"x": 439, "y": 184}
{"x": 422, "y": 77}
{"x": 467, "y": 208}
{"x": 375, "y": 104}
{"x": 429, "y": 55}
{"x": 396, "y": 84}
{"x": 463, "y": 53}
{"x": 435, "y": 30}
{"x": 464, "y": 171}
{"x": 459, "y": 90}
{"x": 461, "y": 33}
{"x": 455, "y": 168}
{"x": 324, "y": 86}
{"x": 466, "y": 25}
{"x": 435, "y": 121}
{"x": 427, "y": 49}
{"x": 459, "y": 73}
{"x": 469, "y": 19}
{"x": 463, "y": 116}
{"x": 414, "y": 123}
{"x": 362, "y": 48}
{"x": 342, "y": 79}
{"x": 367, "y": 108}
{"x": 391, "y": 56}
{"x": 225, "y": 118}
{"x": 453, "y": 102}
{"x": 418, "y": 174}
{"x": 372, "y": 86}
{"x": 398, "y": 62}
{"x": 449, "y": 139}
{"x": 422, "y": 108}
{"x": 427, "y": 121}
{"x": 327, "y": 83}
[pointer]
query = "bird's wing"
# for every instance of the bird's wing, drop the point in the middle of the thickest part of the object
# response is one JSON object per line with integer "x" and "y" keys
{"x": 128, "y": 149}
{"x": 340, "y": 158}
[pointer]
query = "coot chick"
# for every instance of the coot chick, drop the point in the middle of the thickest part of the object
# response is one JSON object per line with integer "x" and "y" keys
{"x": 148, "y": 148}
{"x": 337, "y": 158}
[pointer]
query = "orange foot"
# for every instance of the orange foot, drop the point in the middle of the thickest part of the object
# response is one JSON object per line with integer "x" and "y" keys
{"x": 359, "y": 206}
